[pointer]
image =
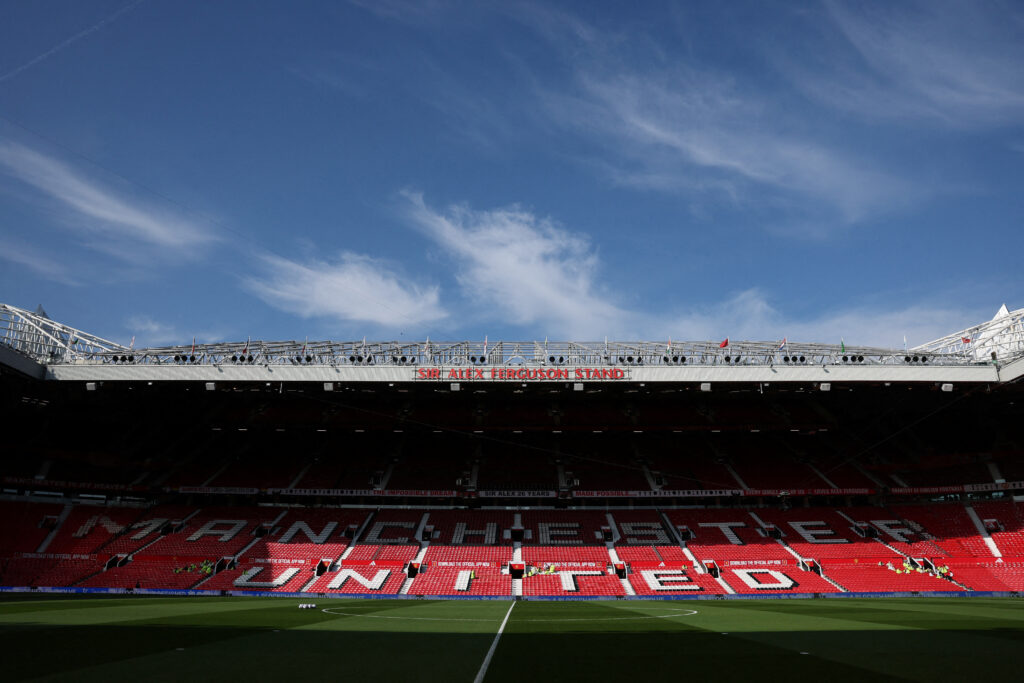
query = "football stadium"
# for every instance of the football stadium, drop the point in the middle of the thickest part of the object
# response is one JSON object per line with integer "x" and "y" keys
{"x": 511, "y": 510}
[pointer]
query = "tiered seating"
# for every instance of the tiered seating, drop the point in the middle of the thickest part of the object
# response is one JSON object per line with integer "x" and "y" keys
{"x": 693, "y": 470}
{"x": 290, "y": 550}
{"x": 673, "y": 585}
{"x": 26, "y": 571}
{"x": 251, "y": 473}
{"x": 429, "y": 468}
{"x": 1010, "y": 540}
{"x": 457, "y": 553}
{"x": 984, "y": 577}
{"x": 360, "y": 471}
{"x": 568, "y": 528}
{"x": 156, "y": 574}
{"x": 24, "y": 526}
{"x": 194, "y": 473}
{"x": 776, "y": 580}
{"x": 854, "y": 547}
{"x": 231, "y": 579}
{"x": 965, "y": 473}
{"x": 545, "y": 554}
{"x": 842, "y": 473}
{"x": 777, "y": 471}
{"x": 235, "y": 527}
{"x": 507, "y": 474}
{"x": 955, "y": 533}
{"x": 443, "y": 581}
{"x": 869, "y": 577}
{"x": 22, "y": 571}
{"x": 1010, "y": 573}
{"x": 715, "y": 543}
{"x": 608, "y": 469}
{"x": 290, "y": 541}
{"x": 365, "y": 553}
{"x": 917, "y": 543}
{"x": 323, "y": 475}
{"x": 146, "y": 528}
{"x": 642, "y": 537}
{"x": 89, "y": 527}
{"x": 444, "y": 523}
{"x": 67, "y": 572}
{"x": 639, "y": 553}
{"x": 390, "y": 535}
{"x": 391, "y": 581}
{"x": 565, "y": 537}
{"x": 596, "y": 584}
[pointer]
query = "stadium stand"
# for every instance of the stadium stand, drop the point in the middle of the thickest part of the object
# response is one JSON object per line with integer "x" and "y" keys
{"x": 1004, "y": 523}
{"x": 819, "y": 533}
{"x": 673, "y": 581}
{"x": 360, "y": 579}
{"x": 723, "y": 535}
{"x": 26, "y": 525}
{"x": 87, "y": 528}
{"x": 462, "y": 581}
{"x": 869, "y": 576}
{"x": 754, "y": 580}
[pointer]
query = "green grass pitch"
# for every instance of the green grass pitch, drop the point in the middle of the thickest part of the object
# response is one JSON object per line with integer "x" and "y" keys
{"x": 254, "y": 639}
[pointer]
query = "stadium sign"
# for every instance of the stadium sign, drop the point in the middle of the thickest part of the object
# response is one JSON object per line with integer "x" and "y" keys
{"x": 521, "y": 374}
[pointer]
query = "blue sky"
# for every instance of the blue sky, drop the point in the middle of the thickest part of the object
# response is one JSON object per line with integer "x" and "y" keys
{"x": 398, "y": 170}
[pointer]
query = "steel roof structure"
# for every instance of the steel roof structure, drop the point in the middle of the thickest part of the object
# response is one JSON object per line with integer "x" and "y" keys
{"x": 36, "y": 345}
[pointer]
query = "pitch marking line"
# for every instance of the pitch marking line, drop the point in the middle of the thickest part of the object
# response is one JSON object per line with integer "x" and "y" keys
{"x": 672, "y": 614}
{"x": 490, "y": 653}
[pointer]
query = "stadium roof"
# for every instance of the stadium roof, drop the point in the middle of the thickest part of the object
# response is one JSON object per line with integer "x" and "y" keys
{"x": 36, "y": 345}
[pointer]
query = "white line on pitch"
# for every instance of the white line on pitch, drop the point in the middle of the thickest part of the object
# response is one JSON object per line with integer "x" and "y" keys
{"x": 490, "y": 653}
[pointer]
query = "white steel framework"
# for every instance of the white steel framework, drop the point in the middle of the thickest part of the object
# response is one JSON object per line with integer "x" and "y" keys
{"x": 999, "y": 339}
{"x": 54, "y": 345}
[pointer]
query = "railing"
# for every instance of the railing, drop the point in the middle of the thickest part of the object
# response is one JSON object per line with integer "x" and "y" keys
{"x": 52, "y": 343}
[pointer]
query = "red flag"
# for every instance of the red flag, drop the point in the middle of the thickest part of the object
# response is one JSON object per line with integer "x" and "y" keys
{"x": 965, "y": 340}
{"x": 724, "y": 343}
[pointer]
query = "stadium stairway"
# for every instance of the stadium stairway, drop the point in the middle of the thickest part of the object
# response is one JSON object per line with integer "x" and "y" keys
{"x": 839, "y": 586}
{"x": 674, "y": 531}
{"x": 725, "y": 584}
{"x": 56, "y": 528}
{"x": 131, "y": 526}
{"x": 983, "y": 532}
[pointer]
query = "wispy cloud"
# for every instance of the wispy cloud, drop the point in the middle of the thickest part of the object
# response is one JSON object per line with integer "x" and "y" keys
{"x": 351, "y": 288}
{"x": 699, "y": 131}
{"x": 522, "y": 268}
{"x": 532, "y": 273}
{"x": 750, "y": 315}
{"x": 106, "y": 219}
{"x": 657, "y": 120}
{"x": 953, "y": 63}
{"x": 24, "y": 255}
{"x": 149, "y": 332}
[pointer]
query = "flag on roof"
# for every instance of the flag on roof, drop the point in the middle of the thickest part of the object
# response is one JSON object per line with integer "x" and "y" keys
{"x": 724, "y": 343}
{"x": 965, "y": 340}
{"x": 842, "y": 345}
{"x": 783, "y": 344}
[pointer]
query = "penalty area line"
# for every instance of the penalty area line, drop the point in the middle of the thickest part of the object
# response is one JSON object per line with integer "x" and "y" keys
{"x": 490, "y": 653}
